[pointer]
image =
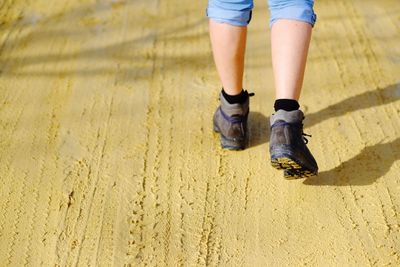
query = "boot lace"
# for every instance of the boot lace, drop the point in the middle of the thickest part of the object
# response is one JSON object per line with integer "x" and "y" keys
{"x": 305, "y": 138}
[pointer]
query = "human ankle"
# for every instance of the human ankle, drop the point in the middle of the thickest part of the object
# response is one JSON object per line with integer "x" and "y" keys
{"x": 235, "y": 99}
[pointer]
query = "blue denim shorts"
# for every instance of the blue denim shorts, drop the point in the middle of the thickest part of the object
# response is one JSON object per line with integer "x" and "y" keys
{"x": 238, "y": 12}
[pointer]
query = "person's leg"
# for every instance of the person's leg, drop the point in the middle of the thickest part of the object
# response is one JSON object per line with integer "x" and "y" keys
{"x": 289, "y": 45}
{"x": 228, "y": 29}
{"x": 228, "y": 45}
{"x": 291, "y": 24}
{"x": 228, "y": 22}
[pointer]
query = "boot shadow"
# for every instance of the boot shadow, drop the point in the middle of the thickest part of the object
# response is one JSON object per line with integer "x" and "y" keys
{"x": 258, "y": 129}
{"x": 373, "y": 161}
{"x": 368, "y": 166}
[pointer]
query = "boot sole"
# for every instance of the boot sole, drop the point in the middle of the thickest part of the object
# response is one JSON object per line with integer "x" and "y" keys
{"x": 298, "y": 174}
{"x": 292, "y": 170}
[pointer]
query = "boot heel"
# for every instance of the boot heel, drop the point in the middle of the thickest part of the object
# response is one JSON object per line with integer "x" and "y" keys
{"x": 231, "y": 145}
{"x": 215, "y": 128}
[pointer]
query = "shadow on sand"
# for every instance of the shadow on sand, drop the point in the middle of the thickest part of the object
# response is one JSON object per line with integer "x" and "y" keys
{"x": 372, "y": 163}
{"x": 258, "y": 129}
{"x": 259, "y": 124}
{"x": 132, "y": 57}
{"x": 365, "y": 168}
{"x": 364, "y": 100}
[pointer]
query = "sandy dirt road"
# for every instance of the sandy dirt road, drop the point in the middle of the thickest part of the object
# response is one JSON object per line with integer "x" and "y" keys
{"x": 107, "y": 156}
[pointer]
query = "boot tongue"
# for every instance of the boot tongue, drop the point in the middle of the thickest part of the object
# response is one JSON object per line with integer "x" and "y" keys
{"x": 234, "y": 109}
{"x": 294, "y": 116}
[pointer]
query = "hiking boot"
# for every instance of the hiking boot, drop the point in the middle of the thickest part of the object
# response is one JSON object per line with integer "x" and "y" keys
{"x": 230, "y": 121}
{"x": 288, "y": 147}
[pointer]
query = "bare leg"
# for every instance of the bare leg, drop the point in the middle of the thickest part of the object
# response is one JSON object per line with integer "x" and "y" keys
{"x": 290, "y": 40}
{"x": 228, "y": 44}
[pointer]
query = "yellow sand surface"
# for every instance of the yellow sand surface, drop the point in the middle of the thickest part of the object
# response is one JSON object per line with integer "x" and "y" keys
{"x": 107, "y": 155}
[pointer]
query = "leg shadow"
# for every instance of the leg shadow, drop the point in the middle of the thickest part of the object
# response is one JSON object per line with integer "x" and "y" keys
{"x": 365, "y": 100}
{"x": 372, "y": 163}
{"x": 258, "y": 129}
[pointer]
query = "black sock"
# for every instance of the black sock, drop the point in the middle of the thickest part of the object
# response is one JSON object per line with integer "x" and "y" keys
{"x": 235, "y": 99}
{"x": 286, "y": 104}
